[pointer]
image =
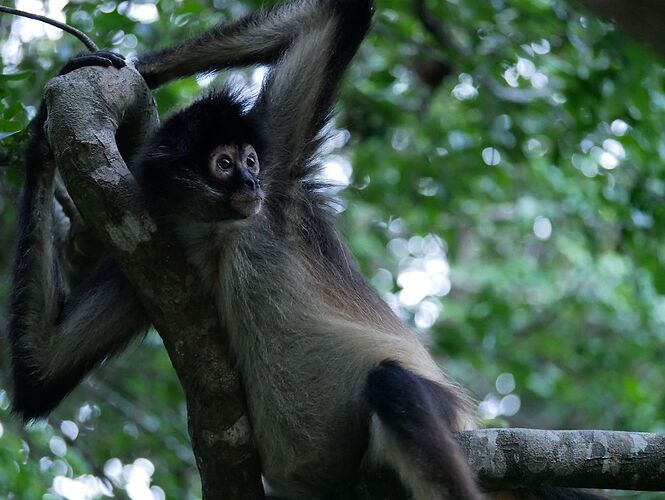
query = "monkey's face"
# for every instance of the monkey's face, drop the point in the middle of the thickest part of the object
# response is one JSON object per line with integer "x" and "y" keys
{"x": 235, "y": 169}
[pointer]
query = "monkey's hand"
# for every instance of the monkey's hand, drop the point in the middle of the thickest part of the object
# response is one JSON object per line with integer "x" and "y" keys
{"x": 100, "y": 58}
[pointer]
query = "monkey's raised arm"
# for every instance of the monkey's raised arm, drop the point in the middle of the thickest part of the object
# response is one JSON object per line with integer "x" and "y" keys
{"x": 302, "y": 86}
{"x": 258, "y": 38}
{"x": 56, "y": 339}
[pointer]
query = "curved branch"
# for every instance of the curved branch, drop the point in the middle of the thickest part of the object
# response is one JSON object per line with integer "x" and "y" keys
{"x": 85, "y": 109}
{"x": 85, "y": 39}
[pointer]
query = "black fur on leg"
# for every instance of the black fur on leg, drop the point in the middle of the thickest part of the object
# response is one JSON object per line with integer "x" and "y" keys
{"x": 419, "y": 413}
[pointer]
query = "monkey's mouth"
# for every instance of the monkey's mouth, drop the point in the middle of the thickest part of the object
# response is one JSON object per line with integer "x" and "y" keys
{"x": 246, "y": 204}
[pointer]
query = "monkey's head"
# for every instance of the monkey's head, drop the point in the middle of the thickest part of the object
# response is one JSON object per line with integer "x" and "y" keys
{"x": 203, "y": 164}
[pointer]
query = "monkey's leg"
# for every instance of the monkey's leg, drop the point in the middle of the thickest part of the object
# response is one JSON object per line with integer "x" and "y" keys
{"x": 410, "y": 431}
{"x": 56, "y": 339}
{"x": 258, "y": 38}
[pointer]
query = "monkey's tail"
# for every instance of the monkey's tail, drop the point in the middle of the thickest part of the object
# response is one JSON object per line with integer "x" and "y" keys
{"x": 410, "y": 431}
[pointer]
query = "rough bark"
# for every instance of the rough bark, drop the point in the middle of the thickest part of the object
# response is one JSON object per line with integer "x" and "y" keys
{"x": 85, "y": 110}
{"x": 506, "y": 458}
{"x": 642, "y": 19}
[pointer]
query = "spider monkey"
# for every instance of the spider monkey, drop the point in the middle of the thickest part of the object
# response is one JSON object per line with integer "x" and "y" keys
{"x": 333, "y": 379}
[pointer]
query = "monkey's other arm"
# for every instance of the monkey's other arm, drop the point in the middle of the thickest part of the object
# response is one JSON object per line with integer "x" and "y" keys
{"x": 307, "y": 44}
{"x": 56, "y": 339}
{"x": 301, "y": 88}
{"x": 258, "y": 38}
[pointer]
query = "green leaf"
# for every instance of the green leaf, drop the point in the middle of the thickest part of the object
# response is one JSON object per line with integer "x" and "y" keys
{"x": 13, "y": 77}
{"x": 4, "y": 135}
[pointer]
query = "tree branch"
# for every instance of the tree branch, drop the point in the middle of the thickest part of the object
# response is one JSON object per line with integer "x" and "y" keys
{"x": 85, "y": 109}
{"x": 642, "y": 20}
{"x": 508, "y": 458}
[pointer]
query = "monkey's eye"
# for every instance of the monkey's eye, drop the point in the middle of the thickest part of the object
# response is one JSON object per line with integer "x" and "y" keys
{"x": 224, "y": 163}
{"x": 252, "y": 163}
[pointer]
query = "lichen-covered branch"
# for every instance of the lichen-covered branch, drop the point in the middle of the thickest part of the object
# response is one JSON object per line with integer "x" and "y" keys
{"x": 505, "y": 458}
{"x": 85, "y": 110}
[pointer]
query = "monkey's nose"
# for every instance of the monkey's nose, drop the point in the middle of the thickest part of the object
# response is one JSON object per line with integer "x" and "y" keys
{"x": 251, "y": 184}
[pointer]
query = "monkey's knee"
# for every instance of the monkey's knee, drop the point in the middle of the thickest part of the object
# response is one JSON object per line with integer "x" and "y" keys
{"x": 411, "y": 431}
{"x": 35, "y": 397}
{"x": 406, "y": 402}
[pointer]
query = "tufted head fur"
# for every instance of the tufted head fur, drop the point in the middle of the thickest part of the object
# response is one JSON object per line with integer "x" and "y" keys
{"x": 173, "y": 168}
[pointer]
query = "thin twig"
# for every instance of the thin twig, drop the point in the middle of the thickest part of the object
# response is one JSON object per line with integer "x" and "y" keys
{"x": 85, "y": 39}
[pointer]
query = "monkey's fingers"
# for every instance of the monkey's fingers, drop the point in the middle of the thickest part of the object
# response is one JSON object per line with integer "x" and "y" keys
{"x": 103, "y": 59}
{"x": 118, "y": 60}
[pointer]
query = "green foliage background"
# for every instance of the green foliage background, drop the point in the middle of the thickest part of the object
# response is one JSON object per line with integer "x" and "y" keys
{"x": 507, "y": 186}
